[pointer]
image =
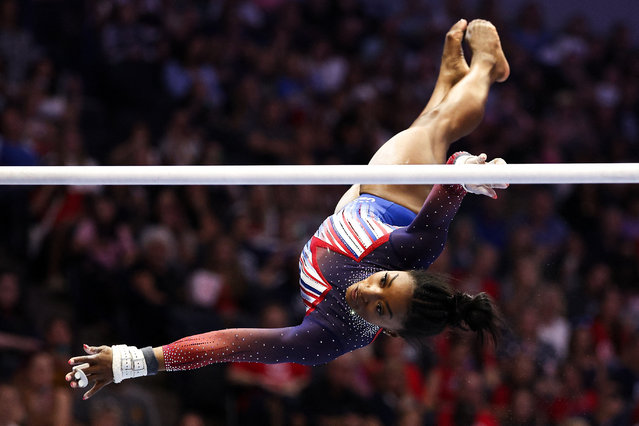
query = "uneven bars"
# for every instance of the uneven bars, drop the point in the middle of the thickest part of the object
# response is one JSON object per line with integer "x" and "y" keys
{"x": 321, "y": 175}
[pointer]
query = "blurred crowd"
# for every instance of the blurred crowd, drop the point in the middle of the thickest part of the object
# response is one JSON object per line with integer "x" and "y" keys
{"x": 189, "y": 82}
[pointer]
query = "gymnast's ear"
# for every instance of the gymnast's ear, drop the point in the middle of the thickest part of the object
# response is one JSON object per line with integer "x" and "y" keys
{"x": 390, "y": 333}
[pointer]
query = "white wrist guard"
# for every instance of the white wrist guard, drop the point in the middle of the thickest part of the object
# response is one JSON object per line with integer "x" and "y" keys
{"x": 128, "y": 363}
{"x": 461, "y": 158}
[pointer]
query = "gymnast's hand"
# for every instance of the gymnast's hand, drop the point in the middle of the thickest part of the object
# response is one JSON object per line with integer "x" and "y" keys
{"x": 99, "y": 369}
{"x": 481, "y": 189}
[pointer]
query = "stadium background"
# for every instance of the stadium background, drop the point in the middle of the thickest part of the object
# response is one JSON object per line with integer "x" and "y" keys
{"x": 309, "y": 82}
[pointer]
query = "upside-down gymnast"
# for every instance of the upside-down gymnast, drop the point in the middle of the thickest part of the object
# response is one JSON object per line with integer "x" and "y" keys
{"x": 363, "y": 272}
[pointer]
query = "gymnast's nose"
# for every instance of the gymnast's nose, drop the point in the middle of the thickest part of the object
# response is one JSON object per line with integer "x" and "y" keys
{"x": 370, "y": 292}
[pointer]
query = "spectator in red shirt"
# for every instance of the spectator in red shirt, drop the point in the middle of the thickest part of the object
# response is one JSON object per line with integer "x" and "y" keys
{"x": 470, "y": 408}
{"x": 574, "y": 400}
{"x": 265, "y": 389}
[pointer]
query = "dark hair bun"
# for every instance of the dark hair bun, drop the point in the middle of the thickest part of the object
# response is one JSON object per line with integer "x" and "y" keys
{"x": 435, "y": 305}
{"x": 477, "y": 312}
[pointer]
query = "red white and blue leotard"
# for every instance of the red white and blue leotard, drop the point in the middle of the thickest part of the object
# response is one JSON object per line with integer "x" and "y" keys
{"x": 368, "y": 235}
{"x": 355, "y": 231}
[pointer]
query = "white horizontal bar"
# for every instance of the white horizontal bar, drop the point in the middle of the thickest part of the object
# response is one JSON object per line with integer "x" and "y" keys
{"x": 321, "y": 175}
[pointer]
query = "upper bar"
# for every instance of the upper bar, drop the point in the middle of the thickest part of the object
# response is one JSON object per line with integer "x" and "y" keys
{"x": 322, "y": 175}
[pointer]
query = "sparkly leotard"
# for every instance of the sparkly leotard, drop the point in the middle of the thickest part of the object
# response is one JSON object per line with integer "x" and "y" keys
{"x": 361, "y": 239}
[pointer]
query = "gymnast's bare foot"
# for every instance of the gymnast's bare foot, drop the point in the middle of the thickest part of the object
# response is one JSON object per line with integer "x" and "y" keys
{"x": 454, "y": 66}
{"x": 484, "y": 42}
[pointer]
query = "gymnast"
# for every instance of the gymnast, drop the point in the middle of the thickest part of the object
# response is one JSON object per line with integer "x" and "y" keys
{"x": 363, "y": 272}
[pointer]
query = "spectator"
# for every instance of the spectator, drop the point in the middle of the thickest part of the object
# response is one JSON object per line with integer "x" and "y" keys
{"x": 342, "y": 400}
{"x": 268, "y": 392}
{"x": 12, "y": 411}
{"x": 522, "y": 411}
{"x": 45, "y": 402}
{"x": 17, "y": 48}
{"x": 470, "y": 406}
{"x": 554, "y": 329}
{"x": 574, "y": 399}
{"x": 18, "y": 338}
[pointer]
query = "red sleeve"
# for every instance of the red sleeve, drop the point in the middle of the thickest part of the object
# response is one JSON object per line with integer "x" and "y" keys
{"x": 308, "y": 343}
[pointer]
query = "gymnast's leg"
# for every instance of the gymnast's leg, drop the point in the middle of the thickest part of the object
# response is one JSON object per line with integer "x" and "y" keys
{"x": 444, "y": 121}
{"x": 452, "y": 69}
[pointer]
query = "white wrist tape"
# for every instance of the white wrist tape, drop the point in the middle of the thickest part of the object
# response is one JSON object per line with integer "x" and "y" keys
{"x": 78, "y": 374}
{"x": 462, "y": 160}
{"x": 128, "y": 363}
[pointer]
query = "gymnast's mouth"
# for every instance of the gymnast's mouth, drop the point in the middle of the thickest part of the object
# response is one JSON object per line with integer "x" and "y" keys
{"x": 352, "y": 297}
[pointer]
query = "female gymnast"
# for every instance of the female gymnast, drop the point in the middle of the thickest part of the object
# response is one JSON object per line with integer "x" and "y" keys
{"x": 363, "y": 271}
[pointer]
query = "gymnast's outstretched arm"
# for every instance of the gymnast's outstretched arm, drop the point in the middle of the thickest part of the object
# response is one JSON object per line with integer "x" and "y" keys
{"x": 423, "y": 240}
{"x": 309, "y": 343}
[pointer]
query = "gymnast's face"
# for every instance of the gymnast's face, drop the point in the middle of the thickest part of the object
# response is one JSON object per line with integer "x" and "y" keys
{"x": 382, "y": 299}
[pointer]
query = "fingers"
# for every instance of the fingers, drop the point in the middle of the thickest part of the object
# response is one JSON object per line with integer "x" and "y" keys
{"x": 476, "y": 159}
{"x": 91, "y": 350}
{"x": 80, "y": 376}
{"x": 74, "y": 378}
{"x": 81, "y": 360}
{"x": 92, "y": 375}
{"x": 95, "y": 367}
{"x": 481, "y": 159}
{"x": 92, "y": 366}
{"x": 498, "y": 161}
{"x": 74, "y": 382}
{"x": 486, "y": 190}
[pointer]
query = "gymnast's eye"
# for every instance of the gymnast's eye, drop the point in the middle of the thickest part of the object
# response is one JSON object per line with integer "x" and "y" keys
{"x": 379, "y": 309}
{"x": 384, "y": 279}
